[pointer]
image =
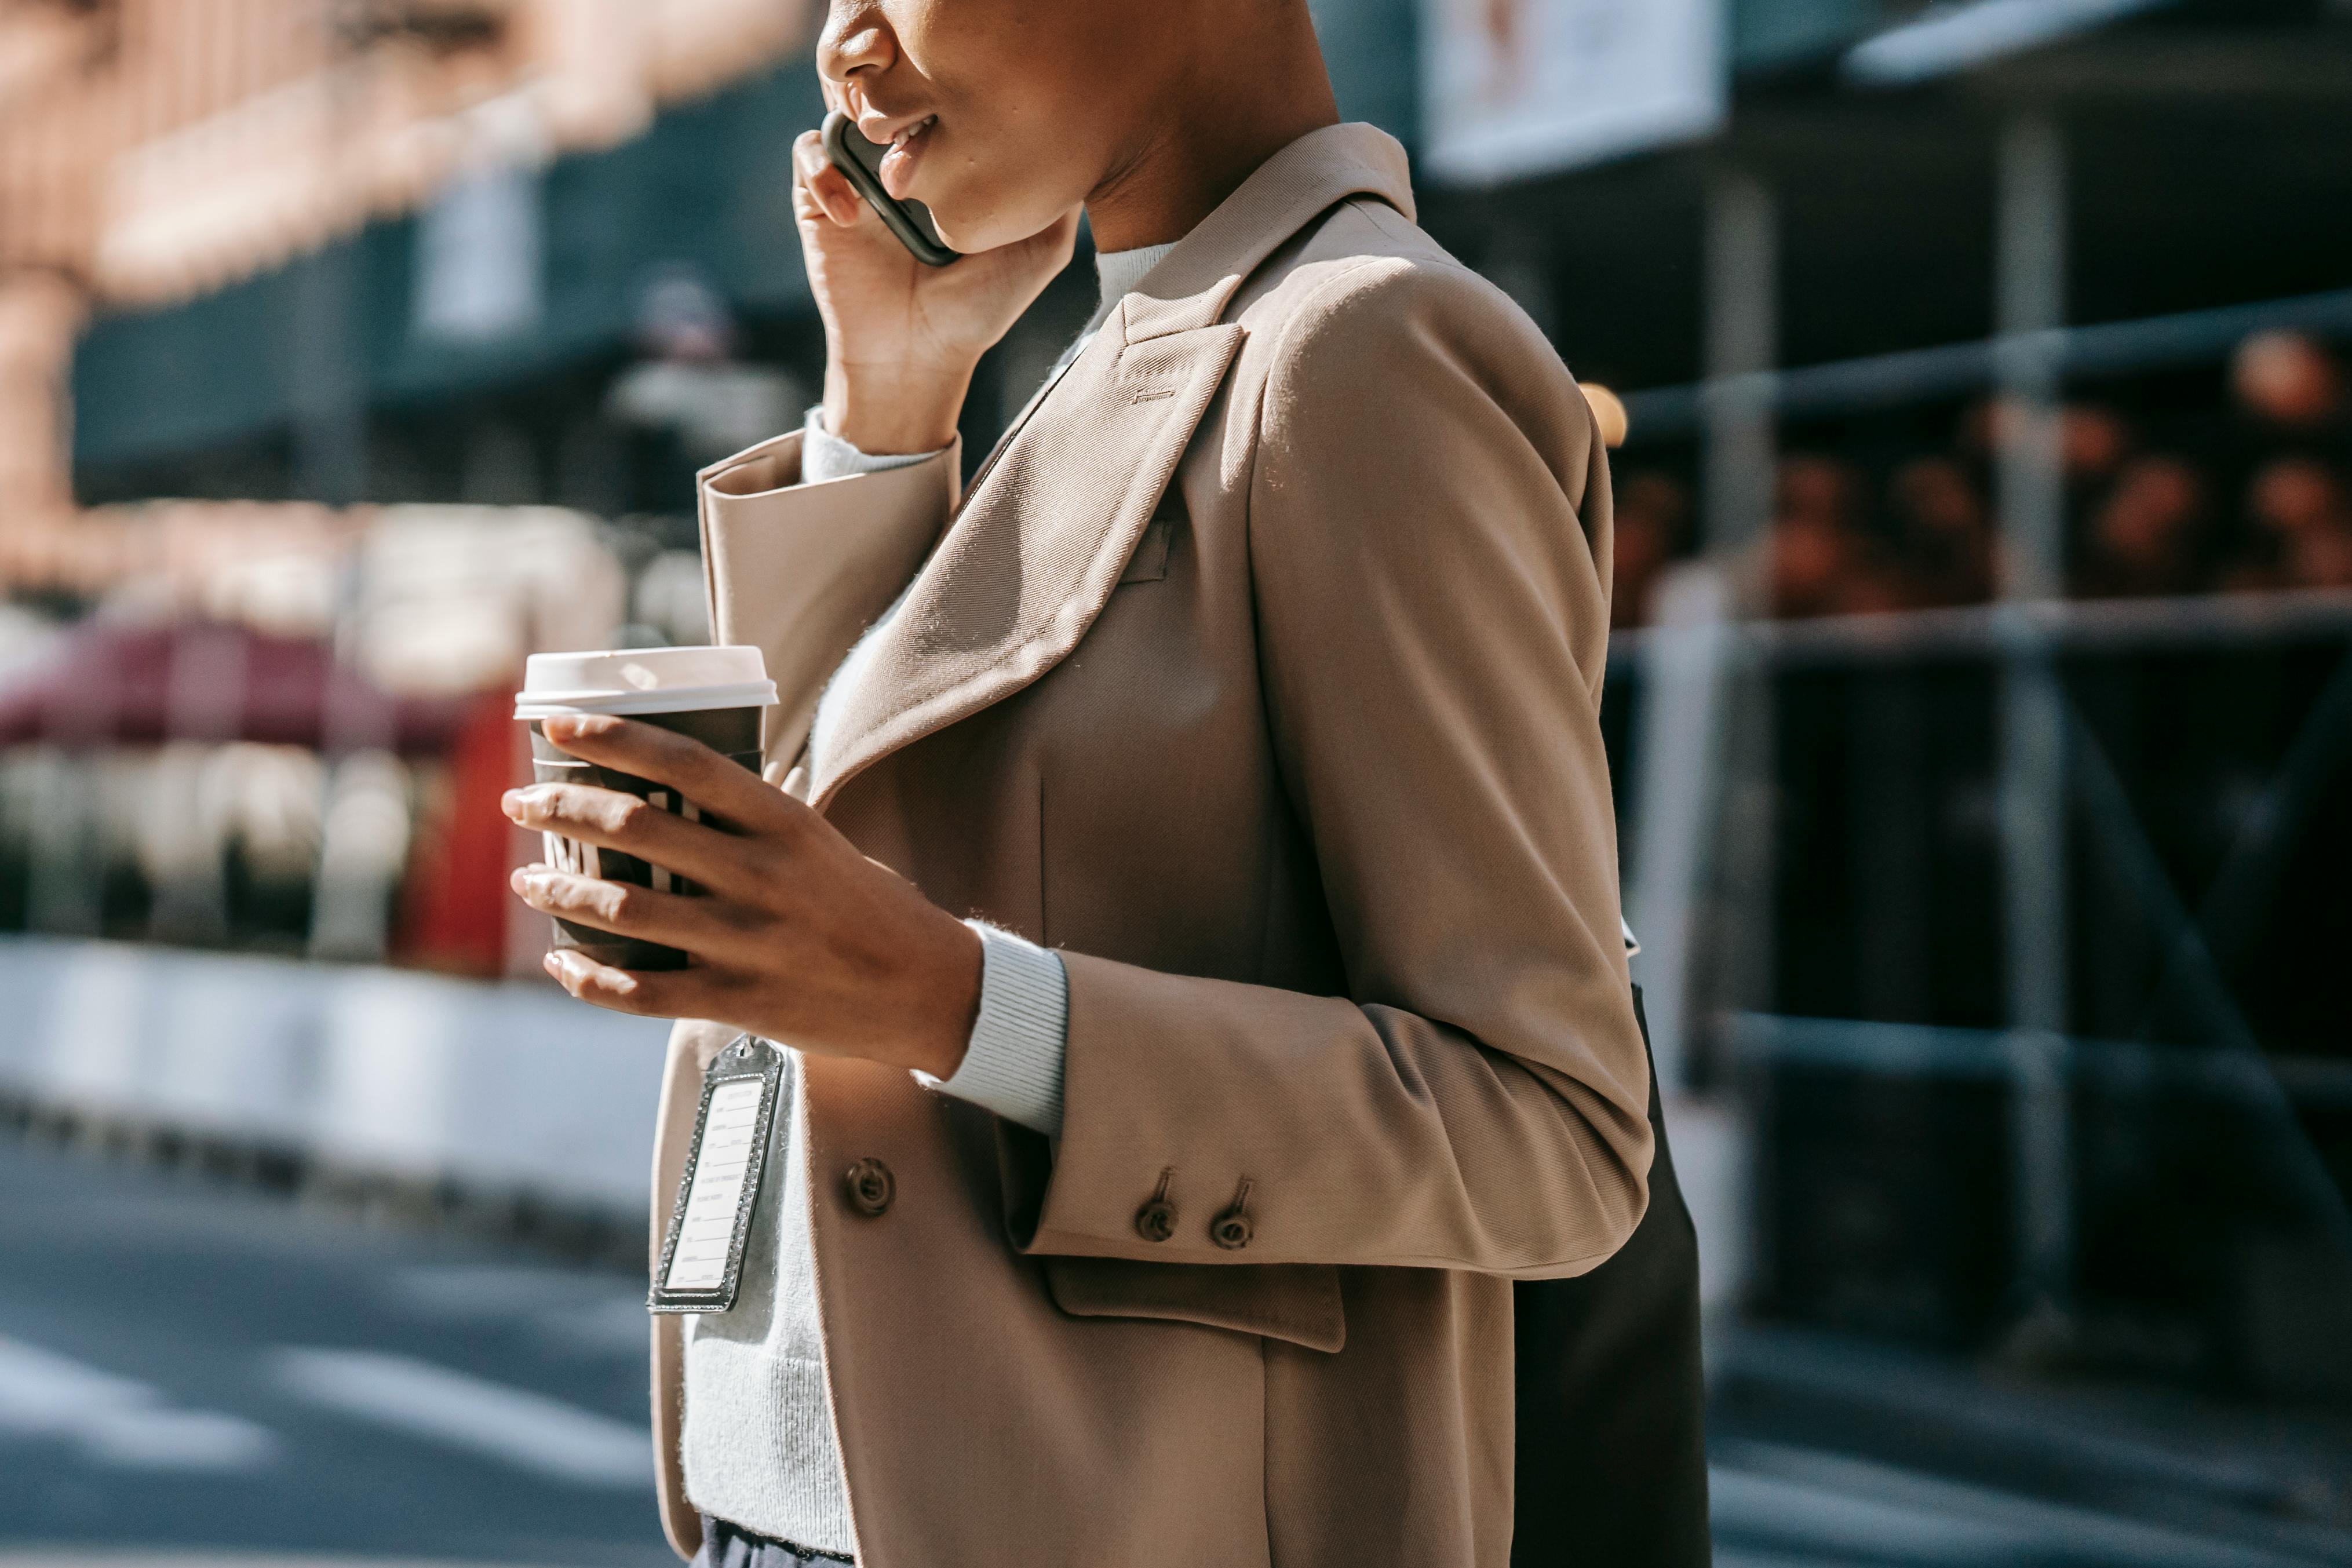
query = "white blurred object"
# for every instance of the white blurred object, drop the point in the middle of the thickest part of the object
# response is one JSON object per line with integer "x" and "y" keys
{"x": 1711, "y": 1145}
{"x": 363, "y": 846}
{"x": 355, "y": 1067}
{"x": 672, "y": 597}
{"x": 288, "y": 593}
{"x": 273, "y": 808}
{"x": 480, "y": 243}
{"x": 181, "y": 836}
{"x": 713, "y": 409}
{"x": 1678, "y": 766}
{"x": 1521, "y": 87}
{"x": 1677, "y": 782}
{"x": 450, "y": 599}
{"x": 24, "y": 637}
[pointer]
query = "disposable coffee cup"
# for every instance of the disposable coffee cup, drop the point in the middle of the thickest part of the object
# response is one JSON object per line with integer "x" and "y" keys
{"x": 714, "y": 695}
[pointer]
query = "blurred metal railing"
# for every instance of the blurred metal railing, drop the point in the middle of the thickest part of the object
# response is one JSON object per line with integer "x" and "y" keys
{"x": 1686, "y": 799}
{"x": 1954, "y": 370}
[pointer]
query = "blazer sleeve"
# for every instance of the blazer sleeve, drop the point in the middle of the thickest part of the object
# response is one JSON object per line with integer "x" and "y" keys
{"x": 800, "y": 570}
{"x": 1428, "y": 539}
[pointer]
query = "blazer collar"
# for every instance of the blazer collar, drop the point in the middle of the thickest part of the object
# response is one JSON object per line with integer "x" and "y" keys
{"x": 1042, "y": 536}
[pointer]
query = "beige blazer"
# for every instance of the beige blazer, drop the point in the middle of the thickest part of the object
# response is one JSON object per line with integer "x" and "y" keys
{"x": 1259, "y": 674}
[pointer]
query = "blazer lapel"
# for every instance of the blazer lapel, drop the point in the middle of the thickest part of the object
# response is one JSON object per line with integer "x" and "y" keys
{"x": 1040, "y": 542}
{"x": 1031, "y": 556}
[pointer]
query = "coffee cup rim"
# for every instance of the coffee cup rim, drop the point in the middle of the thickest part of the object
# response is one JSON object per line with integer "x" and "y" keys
{"x": 531, "y": 705}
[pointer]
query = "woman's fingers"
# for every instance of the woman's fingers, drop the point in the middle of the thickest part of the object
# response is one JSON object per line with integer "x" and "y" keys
{"x": 609, "y": 819}
{"x": 720, "y": 786}
{"x": 665, "y": 994}
{"x": 813, "y": 172}
{"x": 625, "y": 909}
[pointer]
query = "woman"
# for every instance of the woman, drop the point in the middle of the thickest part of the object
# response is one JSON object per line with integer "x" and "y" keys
{"x": 1254, "y": 683}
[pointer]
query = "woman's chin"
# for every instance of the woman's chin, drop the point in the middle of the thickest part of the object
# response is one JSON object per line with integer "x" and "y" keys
{"x": 972, "y": 223}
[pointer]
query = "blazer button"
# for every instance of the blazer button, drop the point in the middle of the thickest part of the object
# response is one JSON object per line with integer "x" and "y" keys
{"x": 870, "y": 1187}
{"x": 1231, "y": 1230}
{"x": 1156, "y": 1221}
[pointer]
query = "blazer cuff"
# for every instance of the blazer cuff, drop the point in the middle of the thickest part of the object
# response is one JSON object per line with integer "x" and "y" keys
{"x": 826, "y": 456}
{"x": 1020, "y": 1041}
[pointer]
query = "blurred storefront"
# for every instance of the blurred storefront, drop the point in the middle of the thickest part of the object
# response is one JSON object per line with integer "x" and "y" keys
{"x": 192, "y": 194}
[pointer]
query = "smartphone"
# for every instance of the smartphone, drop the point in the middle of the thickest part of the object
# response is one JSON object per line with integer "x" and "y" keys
{"x": 860, "y": 160}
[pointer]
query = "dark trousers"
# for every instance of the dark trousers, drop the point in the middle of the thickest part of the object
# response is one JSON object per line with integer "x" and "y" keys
{"x": 1612, "y": 1398}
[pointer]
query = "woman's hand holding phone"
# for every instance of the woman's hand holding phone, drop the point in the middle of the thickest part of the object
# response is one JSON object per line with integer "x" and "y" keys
{"x": 902, "y": 339}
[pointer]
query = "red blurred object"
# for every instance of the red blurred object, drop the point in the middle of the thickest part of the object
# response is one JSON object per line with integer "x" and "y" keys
{"x": 115, "y": 684}
{"x": 455, "y": 911}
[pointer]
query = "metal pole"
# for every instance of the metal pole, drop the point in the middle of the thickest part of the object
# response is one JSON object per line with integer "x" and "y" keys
{"x": 1699, "y": 764}
{"x": 1743, "y": 351}
{"x": 2030, "y": 313}
{"x": 325, "y": 366}
{"x": 1742, "y": 464}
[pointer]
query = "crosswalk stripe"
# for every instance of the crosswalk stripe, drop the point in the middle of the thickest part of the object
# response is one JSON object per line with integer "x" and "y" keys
{"x": 119, "y": 1421}
{"x": 513, "y": 1425}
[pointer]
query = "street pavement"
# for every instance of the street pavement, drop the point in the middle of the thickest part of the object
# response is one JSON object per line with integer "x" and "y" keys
{"x": 192, "y": 1369}
{"x": 200, "y": 1375}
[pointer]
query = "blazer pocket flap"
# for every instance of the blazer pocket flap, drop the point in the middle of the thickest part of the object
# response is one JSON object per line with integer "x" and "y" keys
{"x": 1299, "y": 1303}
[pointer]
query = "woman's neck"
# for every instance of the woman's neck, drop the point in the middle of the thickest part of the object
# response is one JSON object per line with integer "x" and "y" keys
{"x": 1265, "y": 93}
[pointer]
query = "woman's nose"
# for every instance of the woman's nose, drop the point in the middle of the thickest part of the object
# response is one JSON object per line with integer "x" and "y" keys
{"x": 856, "y": 39}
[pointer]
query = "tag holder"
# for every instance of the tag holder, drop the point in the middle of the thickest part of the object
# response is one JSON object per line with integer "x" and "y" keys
{"x": 746, "y": 1059}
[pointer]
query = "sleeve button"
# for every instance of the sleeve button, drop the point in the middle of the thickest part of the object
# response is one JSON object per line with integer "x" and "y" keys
{"x": 870, "y": 1187}
{"x": 1156, "y": 1221}
{"x": 1231, "y": 1230}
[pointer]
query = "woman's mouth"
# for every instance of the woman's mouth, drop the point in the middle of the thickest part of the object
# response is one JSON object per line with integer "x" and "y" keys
{"x": 897, "y": 170}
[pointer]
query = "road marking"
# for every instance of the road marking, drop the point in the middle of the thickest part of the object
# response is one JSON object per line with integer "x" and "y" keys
{"x": 513, "y": 1425}
{"x": 117, "y": 1421}
{"x": 589, "y": 1312}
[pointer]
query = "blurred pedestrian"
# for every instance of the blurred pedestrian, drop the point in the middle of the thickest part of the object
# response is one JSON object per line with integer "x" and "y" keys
{"x": 688, "y": 400}
{"x": 1653, "y": 532}
{"x": 2148, "y": 538}
{"x": 1943, "y": 534}
{"x": 1823, "y": 563}
{"x": 1260, "y": 670}
{"x": 2299, "y": 528}
{"x": 2287, "y": 380}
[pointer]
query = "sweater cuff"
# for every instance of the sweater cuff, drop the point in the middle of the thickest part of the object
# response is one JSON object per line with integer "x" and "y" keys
{"x": 826, "y": 456}
{"x": 1019, "y": 1042}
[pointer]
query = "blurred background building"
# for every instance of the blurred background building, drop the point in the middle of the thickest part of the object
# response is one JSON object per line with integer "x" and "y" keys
{"x": 1980, "y": 697}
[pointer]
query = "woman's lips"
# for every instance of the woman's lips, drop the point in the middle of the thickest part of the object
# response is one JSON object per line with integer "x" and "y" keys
{"x": 897, "y": 170}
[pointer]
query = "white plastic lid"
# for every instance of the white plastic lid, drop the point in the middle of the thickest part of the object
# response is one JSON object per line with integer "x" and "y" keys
{"x": 644, "y": 680}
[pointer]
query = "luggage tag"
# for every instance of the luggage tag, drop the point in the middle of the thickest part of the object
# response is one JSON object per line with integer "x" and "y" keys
{"x": 702, "y": 1255}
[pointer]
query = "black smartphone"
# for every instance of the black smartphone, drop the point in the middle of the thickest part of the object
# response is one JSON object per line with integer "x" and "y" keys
{"x": 860, "y": 160}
